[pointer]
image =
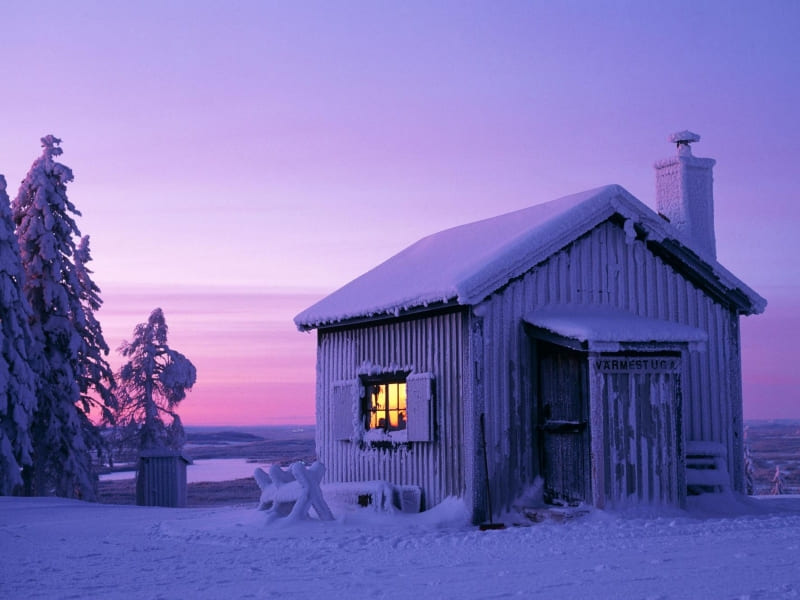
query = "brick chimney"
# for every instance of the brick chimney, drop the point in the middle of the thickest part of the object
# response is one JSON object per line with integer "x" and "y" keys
{"x": 685, "y": 192}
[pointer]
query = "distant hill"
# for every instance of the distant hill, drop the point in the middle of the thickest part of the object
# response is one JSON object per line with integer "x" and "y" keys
{"x": 273, "y": 443}
{"x": 221, "y": 437}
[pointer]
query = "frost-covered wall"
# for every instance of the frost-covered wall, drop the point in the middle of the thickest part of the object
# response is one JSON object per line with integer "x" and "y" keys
{"x": 481, "y": 361}
{"x": 430, "y": 344}
{"x": 604, "y": 267}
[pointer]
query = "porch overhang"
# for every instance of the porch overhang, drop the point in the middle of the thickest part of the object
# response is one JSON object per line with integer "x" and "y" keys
{"x": 606, "y": 329}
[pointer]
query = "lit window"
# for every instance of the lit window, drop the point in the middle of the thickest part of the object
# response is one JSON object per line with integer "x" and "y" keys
{"x": 386, "y": 405}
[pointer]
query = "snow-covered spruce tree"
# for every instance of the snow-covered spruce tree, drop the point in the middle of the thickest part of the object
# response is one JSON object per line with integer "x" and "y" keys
{"x": 17, "y": 382}
{"x": 152, "y": 384}
{"x": 70, "y": 343}
{"x": 778, "y": 482}
{"x": 749, "y": 469}
{"x": 96, "y": 377}
{"x": 749, "y": 474}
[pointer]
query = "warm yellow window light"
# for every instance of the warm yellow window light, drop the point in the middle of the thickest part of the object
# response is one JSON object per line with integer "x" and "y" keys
{"x": 387, "y": 406}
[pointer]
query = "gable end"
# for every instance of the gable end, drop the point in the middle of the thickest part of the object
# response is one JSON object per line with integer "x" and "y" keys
{"x": 700, "y": 274}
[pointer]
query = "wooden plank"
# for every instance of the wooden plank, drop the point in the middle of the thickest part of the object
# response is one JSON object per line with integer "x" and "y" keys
{"x": 345, "y": 399}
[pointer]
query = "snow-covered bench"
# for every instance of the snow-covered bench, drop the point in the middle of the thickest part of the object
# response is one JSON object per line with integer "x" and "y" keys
{"x": 293, "y": 492}
{"x": 706, "y": 468}
{"x": 280, "y": 491}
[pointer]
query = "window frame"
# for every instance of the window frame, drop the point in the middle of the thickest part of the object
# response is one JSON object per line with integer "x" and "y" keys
{"x": 384, "y": 379}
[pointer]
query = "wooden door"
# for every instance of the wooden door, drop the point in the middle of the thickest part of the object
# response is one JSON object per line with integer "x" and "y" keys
{"x": 563, "y": 423}
{"x": 640, "y": 400}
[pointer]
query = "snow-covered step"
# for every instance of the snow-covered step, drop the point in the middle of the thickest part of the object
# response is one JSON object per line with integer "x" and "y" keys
{"x": 706, "y": 468}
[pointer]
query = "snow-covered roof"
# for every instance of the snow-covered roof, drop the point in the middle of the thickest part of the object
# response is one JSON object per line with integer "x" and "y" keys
{"x": 599, "y": 325}
{"x": 465, "y": 264}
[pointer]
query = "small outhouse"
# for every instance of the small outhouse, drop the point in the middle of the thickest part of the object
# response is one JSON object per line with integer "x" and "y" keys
{"x": 598, "y": 337}
{"x": 161, "y": 478}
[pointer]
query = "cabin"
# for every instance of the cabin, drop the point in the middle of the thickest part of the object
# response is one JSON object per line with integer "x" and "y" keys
{"x": 590, "y": 341}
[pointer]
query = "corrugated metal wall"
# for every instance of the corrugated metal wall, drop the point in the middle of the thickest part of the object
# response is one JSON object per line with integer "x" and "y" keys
{"x": 605, "y": 268}
{"x": 432, "y": 344}
{"x": 161, "y": 481}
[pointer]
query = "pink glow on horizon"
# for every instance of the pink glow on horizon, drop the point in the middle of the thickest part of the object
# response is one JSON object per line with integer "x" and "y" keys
{"x": 253, "y": 366}
{"x": 771, "y": 379}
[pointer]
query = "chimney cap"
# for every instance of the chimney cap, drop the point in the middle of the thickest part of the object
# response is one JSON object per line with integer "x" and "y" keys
{"x": 684, "y": 138}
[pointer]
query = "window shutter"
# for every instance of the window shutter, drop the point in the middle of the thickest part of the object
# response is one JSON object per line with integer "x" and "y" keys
{"x": 419, "y": 403}
{"x": 344, "y": 407}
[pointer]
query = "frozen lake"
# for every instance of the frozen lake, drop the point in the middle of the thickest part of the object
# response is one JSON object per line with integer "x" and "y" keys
{"x": 211, "y": 469}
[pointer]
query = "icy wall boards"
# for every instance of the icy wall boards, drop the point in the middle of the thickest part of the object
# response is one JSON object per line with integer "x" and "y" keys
{"x": 483, "y": 362}
{"x": 603, "y": 268}
{"x": 427, "y": 344}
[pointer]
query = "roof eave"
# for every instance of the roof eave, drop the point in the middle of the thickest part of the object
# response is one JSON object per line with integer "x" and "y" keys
{"x": 390, "y": 315}
{"x": 732, "y": 292}
{"x": 613, "y": 201}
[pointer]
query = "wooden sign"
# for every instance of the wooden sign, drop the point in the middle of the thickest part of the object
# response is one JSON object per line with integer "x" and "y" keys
{"x": 637, "y": 363}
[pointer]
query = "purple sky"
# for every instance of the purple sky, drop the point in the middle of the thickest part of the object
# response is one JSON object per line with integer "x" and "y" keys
{"x": 257, "y": 155}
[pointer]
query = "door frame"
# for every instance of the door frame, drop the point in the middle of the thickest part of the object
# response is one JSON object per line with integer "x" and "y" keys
{"x": 567, "y": 433}
{"x": 543, "y": 339}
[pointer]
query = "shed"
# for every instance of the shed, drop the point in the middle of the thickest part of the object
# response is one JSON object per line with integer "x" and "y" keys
{"x": 596, "y": 335}
{"x": 161, "y": 478}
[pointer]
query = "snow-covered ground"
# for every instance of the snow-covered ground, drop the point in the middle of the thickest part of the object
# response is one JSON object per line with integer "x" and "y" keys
{"x": 55, "y": 548}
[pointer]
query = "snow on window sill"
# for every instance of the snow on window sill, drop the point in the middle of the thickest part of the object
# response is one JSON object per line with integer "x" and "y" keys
{"x": 380, "y": 435}
{"x": 386, "y": 440}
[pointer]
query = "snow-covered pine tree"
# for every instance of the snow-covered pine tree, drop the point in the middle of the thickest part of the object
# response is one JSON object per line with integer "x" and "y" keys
{"x": 17, "y": 382}
{"x": 62, "y": 300}
{"x": 749, "y": 475}
{"x": 749, "y": 469}
{"x": 96, "y": 377}
{"x": 778, "y": 482}
{"x": 152, "y": 384}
